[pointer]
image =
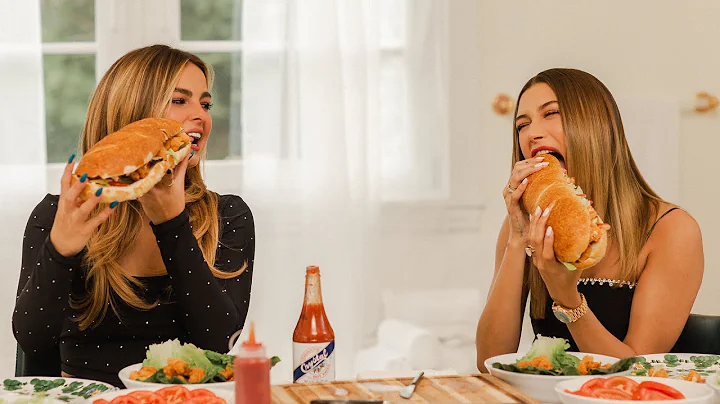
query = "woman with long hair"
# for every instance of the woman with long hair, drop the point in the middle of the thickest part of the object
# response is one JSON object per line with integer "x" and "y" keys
{"x": 99, "y": 284}
{"x": 637, "y": 298}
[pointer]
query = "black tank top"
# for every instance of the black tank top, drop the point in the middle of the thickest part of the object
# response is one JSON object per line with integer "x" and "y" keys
{"x": 609, "y": 300}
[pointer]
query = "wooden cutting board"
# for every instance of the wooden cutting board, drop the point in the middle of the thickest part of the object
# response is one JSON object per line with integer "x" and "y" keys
{"x": 479, "y": 388}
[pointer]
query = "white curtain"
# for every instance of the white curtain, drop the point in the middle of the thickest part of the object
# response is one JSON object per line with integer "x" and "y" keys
{"x": 345, "y": 108}
{"x": 22, "y": 135}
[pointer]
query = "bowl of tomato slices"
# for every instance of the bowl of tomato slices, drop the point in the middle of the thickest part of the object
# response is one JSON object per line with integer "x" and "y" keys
{"x": 598, "y": 390}
{"x": 173, "y": 394}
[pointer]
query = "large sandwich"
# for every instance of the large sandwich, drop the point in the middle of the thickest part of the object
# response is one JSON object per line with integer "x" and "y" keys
{"x": 128, "y": 163}
{"x": 580, "y": 234}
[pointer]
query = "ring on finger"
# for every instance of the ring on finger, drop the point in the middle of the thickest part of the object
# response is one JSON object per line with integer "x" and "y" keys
{"x": 529, "y": 250}
{"x": 510, "y": 188}
{"x": 172, "y": 176}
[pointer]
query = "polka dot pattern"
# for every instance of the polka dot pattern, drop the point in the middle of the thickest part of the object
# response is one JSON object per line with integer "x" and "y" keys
{"x": 196, "y": 307}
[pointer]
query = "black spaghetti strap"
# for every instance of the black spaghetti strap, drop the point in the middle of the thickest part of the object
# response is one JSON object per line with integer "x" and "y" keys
{"x": 663, "y": 215}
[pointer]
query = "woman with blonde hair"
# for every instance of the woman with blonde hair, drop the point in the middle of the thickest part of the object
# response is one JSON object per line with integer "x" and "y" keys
{"x": 637, "y": 298}
{"x": 99, "y": 284}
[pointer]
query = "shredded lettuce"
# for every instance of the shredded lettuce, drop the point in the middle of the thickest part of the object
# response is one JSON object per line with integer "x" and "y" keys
{"x": 174, "y": 155}
{"x": 212, "y": 362}
{"x": 569, "y": 266}
{"x": 552, "y": 348}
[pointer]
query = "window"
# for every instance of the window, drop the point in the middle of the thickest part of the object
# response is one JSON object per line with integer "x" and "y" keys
{"x": 212, "y": 30}
{"x": 81, "y": 38}
{"x": 69, "y": 52}
{"x": 70, "y": 49}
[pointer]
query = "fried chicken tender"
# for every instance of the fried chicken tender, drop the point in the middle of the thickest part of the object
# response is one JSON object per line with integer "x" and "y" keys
{"x": 587, "y": 363}
{"x": 228, "y": 373}
{"x": 694, "y": 376}
{"x": 143, "y": 373}
{"x": 175, "y": 367}
{"x": 195, "y": 375}
{"x": 140, "y": 173}
{"x": 653, "y": 372}
{"x": 539, "y": 362}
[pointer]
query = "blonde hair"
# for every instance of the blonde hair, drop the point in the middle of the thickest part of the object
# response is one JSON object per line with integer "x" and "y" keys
{"x": 598, "y": 156}
{"x": 138, "y": 85}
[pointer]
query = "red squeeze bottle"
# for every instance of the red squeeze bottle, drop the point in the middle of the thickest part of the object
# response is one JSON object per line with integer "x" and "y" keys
{"x": 252, "y": 372}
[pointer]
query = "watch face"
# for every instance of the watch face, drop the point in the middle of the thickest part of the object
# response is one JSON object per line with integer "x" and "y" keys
{"x": 562, "y": 316}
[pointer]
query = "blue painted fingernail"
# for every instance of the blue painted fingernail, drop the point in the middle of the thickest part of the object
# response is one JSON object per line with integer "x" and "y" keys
{"x": 113, "y": 204}
{"x": 72, "y": 157}
{"x": 99, "y": 191}
{"x": 192, "y": 153}
{"x": 83, "y": 178}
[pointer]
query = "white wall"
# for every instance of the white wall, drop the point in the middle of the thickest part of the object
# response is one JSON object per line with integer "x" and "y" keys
{"x": 646, "y": 50}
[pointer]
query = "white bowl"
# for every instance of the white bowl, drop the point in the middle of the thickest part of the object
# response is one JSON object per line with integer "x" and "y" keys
{"x": 124, "y": 376}
{"x": 695, "y": 393}
{"x": 110, "y": 395}
{"x": 539, "y": 387}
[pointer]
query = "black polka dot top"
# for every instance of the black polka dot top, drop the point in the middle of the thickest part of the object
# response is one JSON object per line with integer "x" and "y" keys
{"x": 194, "y": 306}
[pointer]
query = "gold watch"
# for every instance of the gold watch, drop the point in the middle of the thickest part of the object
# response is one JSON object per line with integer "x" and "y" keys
{"x": 567, "y": 315}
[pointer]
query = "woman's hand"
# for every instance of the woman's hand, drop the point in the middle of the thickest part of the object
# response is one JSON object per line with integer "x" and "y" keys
{"x": 516, "y": 185}
{"x": 166, "y": 199}
{"x": 73, "y": 225}
{"x": 560, "y": 281}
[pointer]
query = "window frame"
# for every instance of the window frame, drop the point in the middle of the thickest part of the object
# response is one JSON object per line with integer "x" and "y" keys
{"x": 122, "y": 25}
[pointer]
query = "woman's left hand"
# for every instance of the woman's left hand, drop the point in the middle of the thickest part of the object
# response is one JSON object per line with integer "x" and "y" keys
{"x": 166, "y": 199}
{"x": 561, "y": 282}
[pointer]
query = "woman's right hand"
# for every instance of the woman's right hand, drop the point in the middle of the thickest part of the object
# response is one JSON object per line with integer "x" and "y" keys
{"x": 519, "y": 221}
{"x": 72, "y": 226}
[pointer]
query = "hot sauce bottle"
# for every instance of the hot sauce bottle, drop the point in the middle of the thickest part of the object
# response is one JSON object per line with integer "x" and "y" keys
{"x": 314, "y": 338}
{"x": 252, "y": 372}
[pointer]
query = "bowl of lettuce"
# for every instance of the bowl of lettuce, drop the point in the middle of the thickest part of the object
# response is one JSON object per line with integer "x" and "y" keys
{"x": 547, "y": 363}
{"x": 173, "y": 362}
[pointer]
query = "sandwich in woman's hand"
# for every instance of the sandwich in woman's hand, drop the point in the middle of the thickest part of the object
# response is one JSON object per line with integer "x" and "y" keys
{"x": 128, "y": 163}
{"x": 580, "y": 234}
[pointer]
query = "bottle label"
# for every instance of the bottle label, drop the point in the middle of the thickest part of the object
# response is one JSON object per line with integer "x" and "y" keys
{"x": 313, "y": 362}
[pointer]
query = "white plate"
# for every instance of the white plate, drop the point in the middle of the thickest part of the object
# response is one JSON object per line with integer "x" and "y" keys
{"x": 228, "y": 396}
{"x": 124, "y": 376}
{"x": 679, "y": 369}
{"x": 539, "y": 387}
{"x": 695, "y": 393}
{"x": 68, "y": 390}
{"x": 16, "y": 398}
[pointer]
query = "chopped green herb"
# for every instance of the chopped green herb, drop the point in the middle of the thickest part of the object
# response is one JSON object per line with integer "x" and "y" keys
{"x": 91, "y": 390}
{"x": 12, "y": 384}
{"x": 72, "y": 387}
{"x": 45, "y": 385}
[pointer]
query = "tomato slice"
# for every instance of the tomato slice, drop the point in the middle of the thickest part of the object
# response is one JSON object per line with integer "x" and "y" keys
{"x": 126, "y": 399}
{"x": 663, "y": 388}
{"x": 611, "y": 394}
{"x": 579, "y": 393}
{"x": 147, "y": 397}
{"x": 205, "y": 400}
{"x": 201, "y": 393}
{"x": 589, "y": 386}
{"x": 174, "y": 394}
{"x": 621, "y": 383}
{"x": 645, "y": 394}
{"x": 101, "y": 401}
